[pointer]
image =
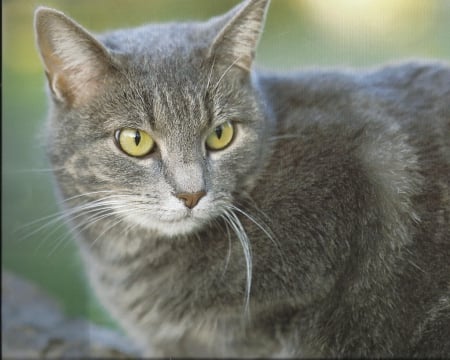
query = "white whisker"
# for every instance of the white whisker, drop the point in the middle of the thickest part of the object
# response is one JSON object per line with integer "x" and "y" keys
{"x": 227, "y": 259}
{"x": 82, "y": 216}
{"x": 108, "y": 228}
{"x": 27, "y": 171}
{"x": 87, "y": 194}
{"x": 263, "y": 227}
{"x": 225, "y": 73}
{"x": 239, "y": 230}
{"x": 284, "y": 137}
{"x": 210, "y": 73}
{"x": 69, "y": 214}
{"x": 99, "y": 214}
{"x": 63, "y": 212}
{"x": 248, "y": 216}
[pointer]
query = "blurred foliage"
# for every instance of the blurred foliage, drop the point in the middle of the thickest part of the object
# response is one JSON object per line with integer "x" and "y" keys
{"x": 299, "y": 33}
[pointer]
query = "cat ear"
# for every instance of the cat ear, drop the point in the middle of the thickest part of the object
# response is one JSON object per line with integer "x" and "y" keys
{"x": 76, "y": 64}
{"x": 237, "y": 41}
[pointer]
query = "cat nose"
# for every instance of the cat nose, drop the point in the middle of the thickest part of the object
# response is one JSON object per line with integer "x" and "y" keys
{"x": 191, "y": 199}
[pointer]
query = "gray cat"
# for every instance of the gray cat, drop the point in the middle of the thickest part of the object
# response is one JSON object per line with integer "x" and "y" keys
{"x": 225, "y": 211}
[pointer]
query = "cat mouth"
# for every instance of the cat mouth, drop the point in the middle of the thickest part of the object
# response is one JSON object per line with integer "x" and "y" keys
{"x": 173, "y": 219}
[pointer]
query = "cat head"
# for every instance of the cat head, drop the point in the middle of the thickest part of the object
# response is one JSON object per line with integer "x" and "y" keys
{"x": 160, "y": 125}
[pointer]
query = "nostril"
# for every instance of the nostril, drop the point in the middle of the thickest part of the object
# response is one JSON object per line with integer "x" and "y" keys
{"x": 191, "y": 199}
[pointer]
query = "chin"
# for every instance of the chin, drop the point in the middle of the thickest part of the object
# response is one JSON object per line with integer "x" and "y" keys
{"x": 177, "y": 229}
{"x": 169, "y": 228}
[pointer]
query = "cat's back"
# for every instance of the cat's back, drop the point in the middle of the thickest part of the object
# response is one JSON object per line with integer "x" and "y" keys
{"x": 361, "y": 163}
{"x": 389, "y": 125}
{"x": 409, "y": 103}
{"x": 409, "y": 92}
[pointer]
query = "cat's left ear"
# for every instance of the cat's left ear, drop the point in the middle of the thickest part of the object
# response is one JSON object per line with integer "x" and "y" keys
{"x": 237, "y": 41}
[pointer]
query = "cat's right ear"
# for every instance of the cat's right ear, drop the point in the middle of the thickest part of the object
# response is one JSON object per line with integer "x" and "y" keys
{"x": 76, "y": 64}
{"x": 237, "y": 41}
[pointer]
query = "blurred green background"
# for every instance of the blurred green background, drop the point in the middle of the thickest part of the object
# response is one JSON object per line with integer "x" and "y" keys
{"x": 299, "y": 34}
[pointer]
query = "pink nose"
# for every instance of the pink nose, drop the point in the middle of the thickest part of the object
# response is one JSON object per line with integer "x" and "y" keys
{"x": 190, "y": 199}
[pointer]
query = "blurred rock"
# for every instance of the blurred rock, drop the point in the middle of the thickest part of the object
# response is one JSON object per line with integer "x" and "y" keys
{"x": 33, "y": 326}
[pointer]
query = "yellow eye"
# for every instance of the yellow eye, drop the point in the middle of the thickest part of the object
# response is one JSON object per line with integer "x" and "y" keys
{"x": 134, "y": 142}
{"x": 221, "y": 137}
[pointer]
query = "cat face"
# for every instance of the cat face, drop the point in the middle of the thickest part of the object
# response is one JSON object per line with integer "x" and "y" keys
{"x": 162, "y": 131}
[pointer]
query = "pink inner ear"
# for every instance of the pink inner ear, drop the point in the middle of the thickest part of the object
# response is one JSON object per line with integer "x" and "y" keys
{"x": 58, "y": 87}
{"x": 77, "y": 86}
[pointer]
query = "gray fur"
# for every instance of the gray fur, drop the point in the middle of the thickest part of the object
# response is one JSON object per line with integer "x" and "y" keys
{"x": 325, "y": 228}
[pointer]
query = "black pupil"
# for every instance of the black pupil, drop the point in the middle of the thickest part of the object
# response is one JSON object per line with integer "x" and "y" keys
{"x": 137, "y": 137}
{"x": 219, "y": 132}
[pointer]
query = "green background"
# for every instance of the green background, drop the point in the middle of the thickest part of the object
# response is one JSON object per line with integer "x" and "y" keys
{"x": 299, "y": 34}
